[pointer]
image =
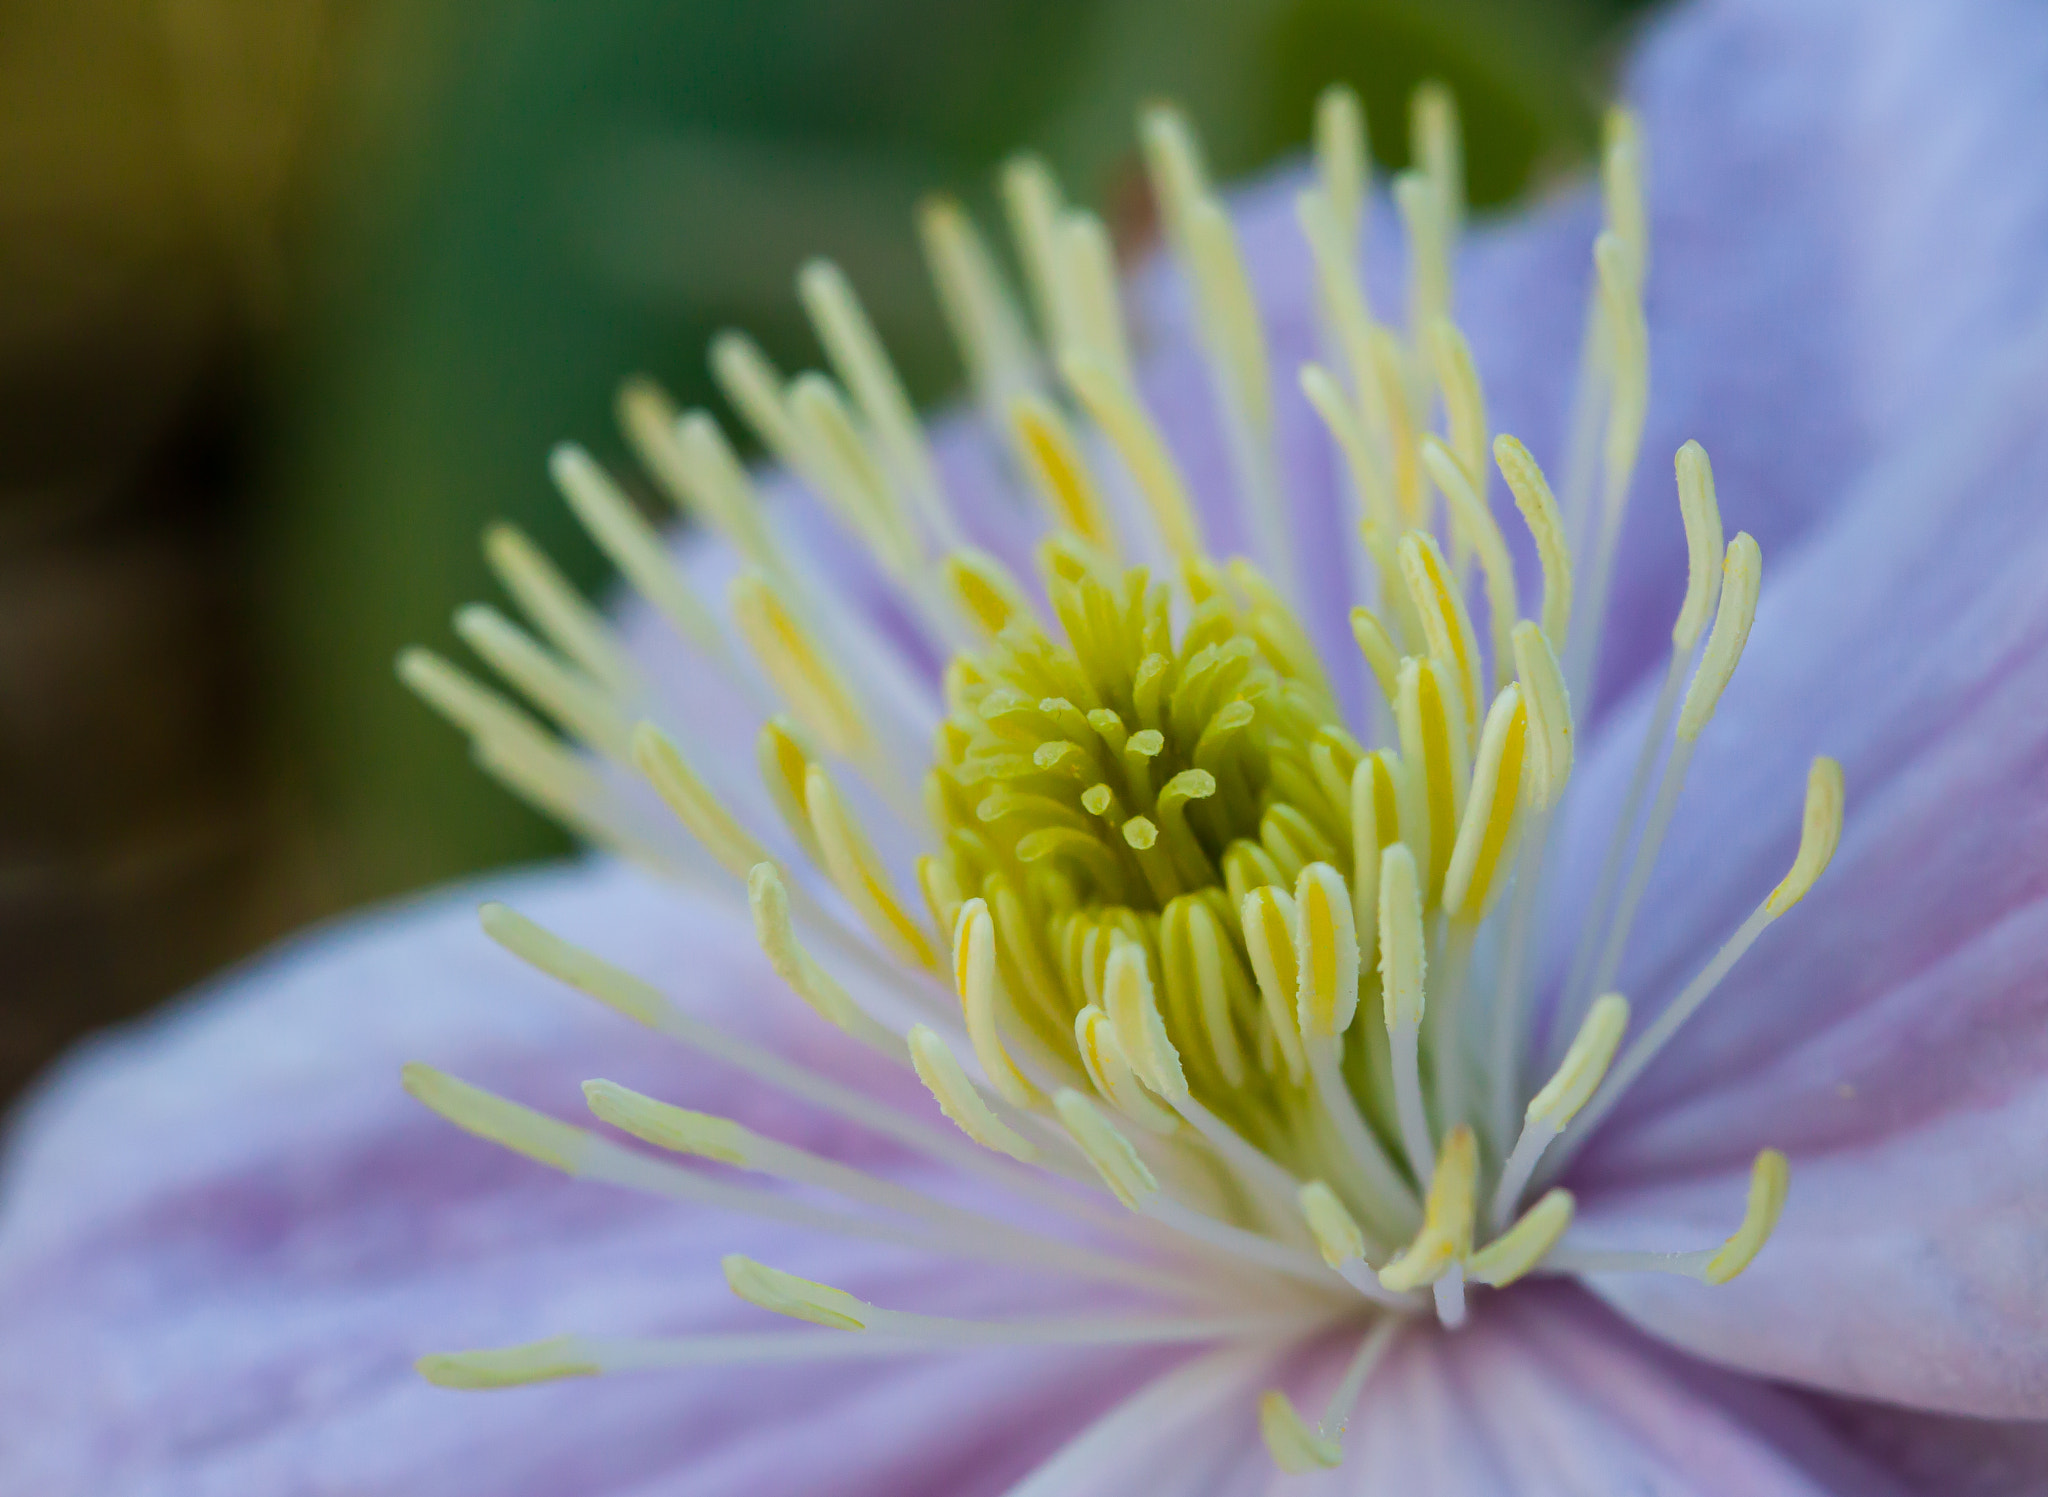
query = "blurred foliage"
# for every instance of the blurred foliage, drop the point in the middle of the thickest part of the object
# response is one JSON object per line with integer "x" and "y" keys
{"x": 298, "y": 293}
{"x": 596, "y": 190}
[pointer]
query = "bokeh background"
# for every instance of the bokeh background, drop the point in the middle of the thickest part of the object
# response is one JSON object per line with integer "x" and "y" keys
{"x": 296, "y": 294}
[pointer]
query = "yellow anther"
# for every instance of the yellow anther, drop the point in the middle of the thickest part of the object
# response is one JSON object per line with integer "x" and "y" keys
{"x": 984, "y": 590}
{"x": 1429, "y": 261}
{"x": 649, "y": 420}
{"x": 1173, "y": 161}
{"x": 984, "y": 322}
{"x": 859, "y": 875}
{"x": 1112, "y": 407}
{"x": 940, "y": 886}
{"x": 1440, "y": 605}
{"x": 1741, "y": 577}
{"x": 1433, "y": 752}
{"x": 1403, "y": 963}
{"x": 1325, "y": 953}
{"x": 848, "y": 475}
{"x": 1820, "y": 831}
{"x": 1621, "y": 182}
{"x": 1031, "y": 197}
{"x": 1107, "y": 1149}
{"x": 1769, "y": 1178}
{"x": 978, "y": 981}
{"x": 1111, "y": 1074}
{"x": 509, "y": 1366}
{"x": 1450, "y": 360}
{"x": 1336, "y": 1231}
{"x": 542, "y": 948}
{"x": 1702, "y": 518}
{"x": 461, "y": 698}
{"x": 1539, "y": 511}
{"x": 1629, "y": 352}
{"x": 1268, "y": 919}
{"x": 566, "y": 694}
{"x": 755, "y": 388}
{"x": 1088, "y": 263}
{"x": 1550, "y": 715}
{"x": 1524, "y": 1245}
{"x": 1059, "y": 473}
{"x": 1447, "y": 1213}
{"x": 776, "y": 932}
{"x": 701, "y": 812}
{"x": 1439, "y": 150}
{"x": 785, "y": 764}
{"x": 631, "y": 544}
{"x": 1341, "y": 160}
{"x": 1295, "y": 1448}
{"x": 1366, "y": 464}
{"x": 801, "y": 673}
{"x": 1390, "y": 370}
{"x": 1475, "y": 526}
{"x": 1374, "y": 823}
{"x": 676, "y": 1129}
{"x": 1232, "y": 316}
{"x": 1190, "y": 929}
{"x": 1584, "y": 1065}
{"x": 507, "y": 1124}
{"x": 799, "y": 1299}
{"x": 958, "y": 1098}
{"x": 1133, "y": 1007}
{"x": 1484, "y": 836}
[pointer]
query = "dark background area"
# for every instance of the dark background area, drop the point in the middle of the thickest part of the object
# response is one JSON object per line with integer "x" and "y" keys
{"x": 296, "y": 294}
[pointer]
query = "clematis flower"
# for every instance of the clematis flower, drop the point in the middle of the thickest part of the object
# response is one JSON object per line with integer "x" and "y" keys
{"x": 1312, "y": 943}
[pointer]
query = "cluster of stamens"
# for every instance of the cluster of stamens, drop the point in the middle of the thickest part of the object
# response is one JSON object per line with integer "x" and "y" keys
{"x": 1261, "y": 964}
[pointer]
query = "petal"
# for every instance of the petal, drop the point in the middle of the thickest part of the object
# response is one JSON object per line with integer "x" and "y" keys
{"x": 1942, "y": 1456}
{"x": 228, "y": 1234}
{"x": 1545, "y": 1395}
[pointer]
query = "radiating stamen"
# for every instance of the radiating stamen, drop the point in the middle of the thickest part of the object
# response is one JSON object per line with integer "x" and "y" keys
{"x": 572, "y": 699}
{"x": 1474, "y": 526}
{"x": 985, "y": 322}
{"x": 1053, "y": 462}
{"x": 776, "y": 932}
{"x": 1769, "y": 1180}
{"x": 1341, "y": 163}
{"x": 1445, "y": 1240}
{"x": 1112, "y": 407}
{"x": 1402, "y": 972}
{"x": 1569, "y": 1089}
{"x": 799, "y": 668}
{"x": 1524, "y": 1246}
{"x": 1539, "y": 512}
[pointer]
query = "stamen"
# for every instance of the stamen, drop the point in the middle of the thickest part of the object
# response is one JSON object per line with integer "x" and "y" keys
{"x": 797, "y": 666}
{"x": 1294, "y": 1447}
{"x": 700, "y": 811}
{"x": 863, "y": 363}
{"x": 1433, "y": 751}
{"x": 572, "y": 699}
{"x": 1446, "y": 623}
{"x": 1742, "y": 576}
{"x": 1478, "y": 533}
{"x": 633, "y": 547}
{"x": 1550, "y": 716}
{"x": 691, "y": 462}
{"x": 1402, "y": 967}
{"x": 1053, "y": 462}
{"x": 1341, "y": 164}
{"x": 1539, "y": 512}
{"x": 1482, "y": 848}
{"x": 1088, "y": 267}
{"x": 985, "y": 322}
{"x": 1769, "y": 1180}
{"x": 959, "y": 1099}
{"x": 982, "y": 995}
{"x": 1108, "y": 1150}
{"x": 1323, "y": 1449}
{"x": 546, "y": 1361}
{"x": 1337, "y": 1233}
{"x": 1439, "y": 151}
{"x": 773, "y": 928}
{"x": 1325, "y": 954}
{"x": 1702, "y": 518}
{"x": 859, "y": 876}
{"x": 1133, "y": 1008}
{"x": 1362, "y": 459}
{"x": 1429, "y": 259}
{"x": 558, "y": 611}
{"x": 984, "y": 591}
{"x": 1569, "y": 1088}
{"x": 1457, "y": 380}
{"x": 1520, "y": 1249}
{"x": 1110, "y": 405}
{"x": 1110, "y": 1072}
{"x": 846, "y": 474}
{"x": 1268, "y": 923}
{"x": 1446, "y": 1236}
{"x": 1032, "y": 197}
{"x": 754, "y": 387}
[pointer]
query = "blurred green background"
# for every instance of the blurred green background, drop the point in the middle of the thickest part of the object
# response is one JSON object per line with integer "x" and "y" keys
{"x": 298, "y": 293}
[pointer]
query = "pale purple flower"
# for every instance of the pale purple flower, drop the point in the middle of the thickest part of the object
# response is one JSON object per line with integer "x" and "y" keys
{"x": 229, "y": 1233}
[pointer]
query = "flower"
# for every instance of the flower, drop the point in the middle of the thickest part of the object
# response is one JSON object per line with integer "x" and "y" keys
{"x": 218, "y": 1234}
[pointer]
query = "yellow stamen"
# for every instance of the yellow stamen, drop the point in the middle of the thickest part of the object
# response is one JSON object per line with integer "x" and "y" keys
{"x": 1031, "y": 196}
{"x": 1550, "y": 715}
{"x": 985, "y": 323}
{"x": 1445, "y": 621}
{"x": 1111, "y": 406}
{"x": 1294, "y": 1447}
{"x": 509, "y": 1366}
{"x": 958, "y": 1098}
{"x": 1447, "y": 1212}
{"x": 859, "y": 875}
{"x": 566, "y": 694}
{"x": 632, "y": 545}
{"x": 1088, "y": 266}
{"x": 984, "y": 591}
{"x": 1108, "y": 1150}
{"x": 1268, "y": 916}
{"x": 801, "y": 673}
{"x": 1524, "y": 1245}
{"x": 1741, "y": 577}
{"x": 1584, "y": 1065}
{"x": 700, "y": 811}
{"x": 785, "y": 764}
{"x": 1133, "y": 1006}
{"x": 1059, "y": 474}
{"x": 978, "y": 981}
{"x": 1476, "y": 528}
{"x": 474, "y": 1110}
{"x": 1341, "y": 163}
{"x": 1325, "y": 953}
{"x": 1110, "y": 1072}
{"x": 1820, "y": 832}
{"x": 798, "y": 1298}
{"x": 776, "y": 932}
{"x": 1546, "y": 526}
{"x": 1702, "y": 518}
{"x": 1336, "y": 1231}
{"x": 676, "y": 1129}
{"x": 754, "y": 386}
{"x": 1472, "y": 879}
{"x": 1769, "y": 1179}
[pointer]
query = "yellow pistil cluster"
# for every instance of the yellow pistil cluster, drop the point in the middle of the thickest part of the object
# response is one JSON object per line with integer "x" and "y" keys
{"x": 1260, "y": 965}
